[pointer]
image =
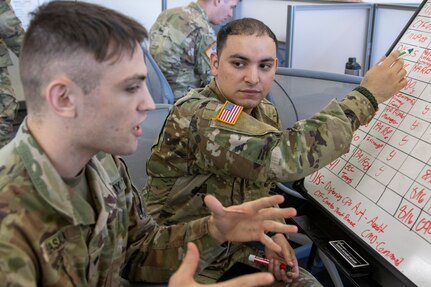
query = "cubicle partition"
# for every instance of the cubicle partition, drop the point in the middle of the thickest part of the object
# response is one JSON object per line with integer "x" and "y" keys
{"x": 311, "y": 34}
{"x": 323, "y": 36}
{"x": 320, "y": 36}
{"x": 389, "y": 21}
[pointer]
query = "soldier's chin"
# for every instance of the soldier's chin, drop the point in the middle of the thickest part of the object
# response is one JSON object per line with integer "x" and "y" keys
{"x": 126, "y": 150}
{"x": 250, "y": 104}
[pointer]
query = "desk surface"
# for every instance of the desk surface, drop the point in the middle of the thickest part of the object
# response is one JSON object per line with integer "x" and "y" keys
{"x": 321, "y": 229}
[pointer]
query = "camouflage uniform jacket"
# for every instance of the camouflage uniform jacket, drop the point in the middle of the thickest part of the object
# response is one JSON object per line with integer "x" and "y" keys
{"x": 179, "y": 40}
{"x": 11, "y": 33}
{"x": 50, "y": 236}
{"x": 197, "y": 155}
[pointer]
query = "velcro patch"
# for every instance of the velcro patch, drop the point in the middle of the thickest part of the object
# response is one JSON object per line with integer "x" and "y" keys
{"x": 211, "y": 49}
{"x": 229, "y": 113}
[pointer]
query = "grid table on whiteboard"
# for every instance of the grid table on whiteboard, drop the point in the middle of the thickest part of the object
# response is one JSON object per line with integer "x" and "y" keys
{"x": 381, "y": 189}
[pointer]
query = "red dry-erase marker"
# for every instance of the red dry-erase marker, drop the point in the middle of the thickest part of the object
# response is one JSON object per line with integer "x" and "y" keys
{"x": 264, "y": 261}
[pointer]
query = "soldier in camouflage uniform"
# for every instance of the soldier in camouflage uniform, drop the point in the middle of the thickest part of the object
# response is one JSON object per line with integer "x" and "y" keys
{"x": 69, "y": 215}
{"x": 182, "y": 40}
{"x": 226, "y": 140}
{"x": 11, "y": 34}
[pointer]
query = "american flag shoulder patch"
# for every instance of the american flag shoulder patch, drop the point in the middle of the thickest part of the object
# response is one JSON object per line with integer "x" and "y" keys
{"x": 229, "y": 113}
{"x": 211, "y": 49}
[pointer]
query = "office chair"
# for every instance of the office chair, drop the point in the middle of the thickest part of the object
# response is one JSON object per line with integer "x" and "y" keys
{"x": 151, "y": 129}
{"x": 163, "y": 97}
{"x": 157, "y": 84}
{"x": 298, "y": 94}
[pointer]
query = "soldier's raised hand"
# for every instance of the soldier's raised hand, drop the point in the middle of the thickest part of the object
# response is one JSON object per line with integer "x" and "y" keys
{"x": 386, "y": 78}
{"x": 249, "y": 221}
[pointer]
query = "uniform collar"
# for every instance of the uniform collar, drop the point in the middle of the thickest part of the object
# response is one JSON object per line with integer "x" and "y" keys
{"x": 47, "y": 181}
{"x": 195, "y": 6}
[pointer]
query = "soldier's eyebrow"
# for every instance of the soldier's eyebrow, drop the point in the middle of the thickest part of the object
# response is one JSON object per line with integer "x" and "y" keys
{"x": 241, "y": 57}
{"x": 133, "y": 78}
{"x": 269, "y": 60}
{"x": 238, "y": 56}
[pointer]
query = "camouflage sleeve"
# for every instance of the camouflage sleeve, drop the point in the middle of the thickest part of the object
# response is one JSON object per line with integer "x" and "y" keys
{"x": 16, "y": 267}
{"x": 265, "y": 153}
{"x": 203, "y": 44}
{"x": 155, "y": 252}
{"x": 11, "y": 30}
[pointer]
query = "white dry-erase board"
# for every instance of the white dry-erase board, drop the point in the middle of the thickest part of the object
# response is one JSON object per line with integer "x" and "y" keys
{"x": 381, "y": 189}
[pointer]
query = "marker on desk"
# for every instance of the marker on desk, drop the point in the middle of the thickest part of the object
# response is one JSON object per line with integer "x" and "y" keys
{"x": 405, "y": 52}
{"x": 264, "y": 261}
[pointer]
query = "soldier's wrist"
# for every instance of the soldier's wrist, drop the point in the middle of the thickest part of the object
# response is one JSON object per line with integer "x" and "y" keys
{"x": 366, "y": 93}
{"x": 272, "y": 234}
{"x": 214, "y": 232}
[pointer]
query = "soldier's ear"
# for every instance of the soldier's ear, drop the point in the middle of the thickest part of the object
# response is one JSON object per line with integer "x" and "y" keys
{"x": 61, "y": 98}
{"x": 214, "y": 64}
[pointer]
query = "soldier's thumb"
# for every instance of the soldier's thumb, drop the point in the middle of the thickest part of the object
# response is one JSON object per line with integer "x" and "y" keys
{"x": 190, "y": 261}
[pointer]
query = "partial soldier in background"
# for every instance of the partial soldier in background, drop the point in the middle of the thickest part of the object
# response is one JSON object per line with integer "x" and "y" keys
{"x": 227, "y": 140}
{"x": 182, "y": 40}
{"x": 11, "y": 35}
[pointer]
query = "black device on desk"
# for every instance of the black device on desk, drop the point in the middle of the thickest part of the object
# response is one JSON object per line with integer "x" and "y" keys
{"x": 366, "y": 267}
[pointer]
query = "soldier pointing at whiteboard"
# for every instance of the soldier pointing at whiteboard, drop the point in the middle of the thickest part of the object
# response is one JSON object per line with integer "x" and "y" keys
{"x": 226, "y": 139}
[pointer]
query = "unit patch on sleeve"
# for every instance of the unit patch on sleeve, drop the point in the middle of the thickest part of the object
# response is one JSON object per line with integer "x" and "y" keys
{"x": 211, "y": 49}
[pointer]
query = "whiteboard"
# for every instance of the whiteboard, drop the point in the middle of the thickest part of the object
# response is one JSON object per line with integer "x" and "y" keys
{"x": 381, "y": 189}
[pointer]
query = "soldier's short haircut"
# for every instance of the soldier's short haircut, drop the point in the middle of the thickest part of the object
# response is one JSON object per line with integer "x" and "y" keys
{"x": 64, "y": 35}
{"x": 243, "y": 26}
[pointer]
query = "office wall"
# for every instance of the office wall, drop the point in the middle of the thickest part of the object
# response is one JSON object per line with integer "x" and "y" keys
{"x": 143, "y": 12}
{"x": 272, "y": 12}
{"x": 177, "y": 3}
